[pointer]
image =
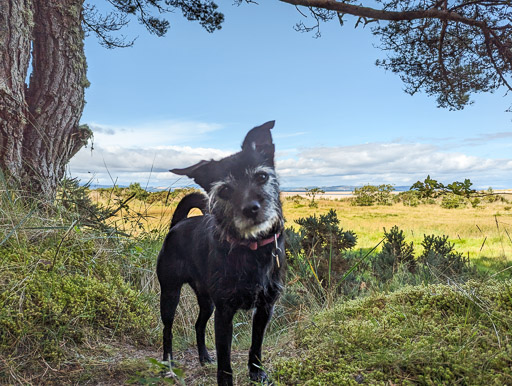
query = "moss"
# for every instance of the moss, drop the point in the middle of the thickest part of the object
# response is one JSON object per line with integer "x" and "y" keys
{"x": 435, "y": 334}
{"x": 59, "y": 292}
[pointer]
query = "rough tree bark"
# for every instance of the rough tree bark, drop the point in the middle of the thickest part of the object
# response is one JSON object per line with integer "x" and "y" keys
{"x": 39, "y": 123}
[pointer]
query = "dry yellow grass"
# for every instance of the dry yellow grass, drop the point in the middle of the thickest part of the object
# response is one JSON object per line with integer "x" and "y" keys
{"x": 467, "y": 227}
{"x": 482, "y": 232}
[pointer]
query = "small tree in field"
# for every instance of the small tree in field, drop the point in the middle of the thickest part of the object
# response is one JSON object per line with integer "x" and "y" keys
{"x": 368, "y": 195}
{"x": 312, "y": 193}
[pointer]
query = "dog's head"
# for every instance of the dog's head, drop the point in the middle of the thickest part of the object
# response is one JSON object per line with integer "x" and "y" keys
{"x": 243, "y": 189}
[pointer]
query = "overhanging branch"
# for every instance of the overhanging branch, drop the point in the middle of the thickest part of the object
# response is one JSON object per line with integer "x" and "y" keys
{"x": 379, "y": 14}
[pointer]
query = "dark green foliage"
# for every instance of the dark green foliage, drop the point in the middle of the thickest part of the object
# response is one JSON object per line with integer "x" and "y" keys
{"x": 137, "y": 191}
{"x": 396, "y": 252}
{"x": 322, "y": 234}
{"x": 369, "y": 195}
{"x": 317, "y": 248}
{"x": 440, "y": 258}
{"x": 431, "y": 188}
{"x": 461, "y": 188}
{"x": 149, "y": 13}
{"x": 443, "y": 58}
{"x": 449, "y": 50}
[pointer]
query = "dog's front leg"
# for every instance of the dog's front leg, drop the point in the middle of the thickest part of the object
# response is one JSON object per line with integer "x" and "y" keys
{"x": 260, "y": 320}
{"x": 223, "y": 336}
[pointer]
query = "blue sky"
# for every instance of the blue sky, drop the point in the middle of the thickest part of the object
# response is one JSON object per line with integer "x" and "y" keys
{"x": 340, "y": 120}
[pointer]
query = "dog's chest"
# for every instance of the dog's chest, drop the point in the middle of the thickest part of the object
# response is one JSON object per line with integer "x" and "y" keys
{"x": 244, "y": 278}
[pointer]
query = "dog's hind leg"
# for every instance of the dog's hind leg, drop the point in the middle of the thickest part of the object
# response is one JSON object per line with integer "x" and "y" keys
{"x": 205, "y": 311}
{"x": 169, "y": 300}
{"x": 260, "y": 320}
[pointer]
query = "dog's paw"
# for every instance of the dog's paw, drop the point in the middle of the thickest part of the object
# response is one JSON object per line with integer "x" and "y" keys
{"x": 205, "y": 359}
{"x": 259, "y": 376}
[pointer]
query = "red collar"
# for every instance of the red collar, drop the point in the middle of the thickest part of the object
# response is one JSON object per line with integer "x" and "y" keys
{"x": 253, "y": 245}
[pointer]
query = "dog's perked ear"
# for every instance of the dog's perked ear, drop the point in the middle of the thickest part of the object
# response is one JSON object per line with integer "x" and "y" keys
{"x": 260, "y": 139}
{"x": 201, "y": 173}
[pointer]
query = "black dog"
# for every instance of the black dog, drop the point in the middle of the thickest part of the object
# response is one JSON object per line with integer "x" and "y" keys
{"x": 232, "y": 256}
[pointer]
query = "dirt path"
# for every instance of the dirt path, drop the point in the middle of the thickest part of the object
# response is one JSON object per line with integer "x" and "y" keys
{"x": 130, "y": 362}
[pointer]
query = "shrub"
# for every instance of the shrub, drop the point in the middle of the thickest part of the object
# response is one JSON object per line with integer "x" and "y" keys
{"x": 408, "y": 198}
{"x": 365, "y": 196}
{"x": 475, "y": 202}
{"x": 395, "y": 253}
{"x": 371, "y": 194}
{"x": 319, "y": 244}
{"x": 491, "y": 196}
{"x": 440, "y": 258}
{"x": 313, "y": 192}
{"x": 297, "y": 199}
{"x": 453, "y": 201}
{"x": 139, "y": 193}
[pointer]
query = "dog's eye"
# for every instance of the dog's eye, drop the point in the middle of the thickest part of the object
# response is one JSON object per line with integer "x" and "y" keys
{"x": 225, "y": 192}
{"x": 261, "y": 177}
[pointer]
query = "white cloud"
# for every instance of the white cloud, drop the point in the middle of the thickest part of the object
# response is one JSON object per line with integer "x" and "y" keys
{"x": 375, "y": 163}
{"x": 138, "y": 164}
{"x": 140, "y": 153}
{"x": 396, "y": 163}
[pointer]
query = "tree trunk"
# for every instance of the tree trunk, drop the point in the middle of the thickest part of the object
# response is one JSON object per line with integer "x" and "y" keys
{"x": 39, "y": 124}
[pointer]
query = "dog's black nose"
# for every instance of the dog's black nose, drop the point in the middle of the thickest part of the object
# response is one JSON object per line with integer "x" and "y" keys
{"x": 251, "y": 210}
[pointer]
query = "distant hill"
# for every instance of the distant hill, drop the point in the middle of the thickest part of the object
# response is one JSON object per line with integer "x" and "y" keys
{"x": 337, "y": 188}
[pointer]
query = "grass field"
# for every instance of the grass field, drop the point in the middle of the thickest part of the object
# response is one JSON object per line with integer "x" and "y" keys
{"x": 484, "y": 232}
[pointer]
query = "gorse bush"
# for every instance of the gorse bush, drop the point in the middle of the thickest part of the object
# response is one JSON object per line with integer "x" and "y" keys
{"x": 317, "y": 248}
{"x": 137, "y": 191}
{"x": 396, "y": 252}
{"x": 321, "y": 235}
{"x": 409, "y": 198}
{"x": 321, "y": 260}
{"x": 440, "y": 257}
